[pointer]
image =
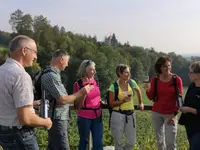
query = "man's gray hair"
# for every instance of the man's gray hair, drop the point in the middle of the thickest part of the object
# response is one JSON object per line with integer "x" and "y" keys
{"x": 19, "y": 42}
{"x": 195, "y": 66}
{"x": 60, "y": 53}
{"x": 84, "y": 67}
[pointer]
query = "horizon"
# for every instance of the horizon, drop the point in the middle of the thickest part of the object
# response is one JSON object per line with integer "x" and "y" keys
{"x": 169, "y": 26}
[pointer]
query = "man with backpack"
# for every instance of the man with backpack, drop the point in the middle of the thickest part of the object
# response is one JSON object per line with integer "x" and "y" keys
{"x": 59, "y": 100}
{"x": 121, "y": 105}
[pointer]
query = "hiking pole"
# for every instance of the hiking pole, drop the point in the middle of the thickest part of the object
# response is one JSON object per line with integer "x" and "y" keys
{"x": 44, "y": 106}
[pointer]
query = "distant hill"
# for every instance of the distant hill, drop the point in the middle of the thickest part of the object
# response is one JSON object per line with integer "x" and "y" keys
{"x": 188, "y": 56}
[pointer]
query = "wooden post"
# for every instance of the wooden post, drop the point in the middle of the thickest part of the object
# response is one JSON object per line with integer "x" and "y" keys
{"x": 90, "y": 142}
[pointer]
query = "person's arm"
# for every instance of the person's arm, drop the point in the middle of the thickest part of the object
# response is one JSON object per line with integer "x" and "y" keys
{"x": 112, "y": 101}
{"x": 79, "y": 101}
{"x": 27, "y": 117}
{"x": 57, "y": 90}
{"x": 150, "y": 90}
{"x": 62, "y": 100}
{"x": 139, "y": 95}
{"x": 180, "y": 85}
{"x": 23, "y": 100}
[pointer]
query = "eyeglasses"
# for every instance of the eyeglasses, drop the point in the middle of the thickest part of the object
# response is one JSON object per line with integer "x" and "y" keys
{"x": 35, "y": 51}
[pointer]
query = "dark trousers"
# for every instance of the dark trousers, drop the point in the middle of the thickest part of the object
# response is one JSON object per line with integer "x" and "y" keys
{"x": 58, "y": 136}
{"x": 96, "y": 127}
{"x": 18, "y": 139}
{"x": 193, "y": 136}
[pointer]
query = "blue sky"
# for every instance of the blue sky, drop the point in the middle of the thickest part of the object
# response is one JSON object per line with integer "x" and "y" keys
{"x": 166, "y": 25}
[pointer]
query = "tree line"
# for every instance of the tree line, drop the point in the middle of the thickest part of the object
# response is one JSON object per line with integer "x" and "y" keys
{"x": 106, "y": 54}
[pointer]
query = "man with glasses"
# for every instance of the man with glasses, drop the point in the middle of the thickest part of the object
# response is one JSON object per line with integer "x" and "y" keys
{"x": 59, "y": 100}
{"x": 17, "y": 116}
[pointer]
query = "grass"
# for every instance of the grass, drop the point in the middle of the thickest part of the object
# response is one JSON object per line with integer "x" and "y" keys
{"x": 2, "y": 48}
{"x": 145, "y": 133}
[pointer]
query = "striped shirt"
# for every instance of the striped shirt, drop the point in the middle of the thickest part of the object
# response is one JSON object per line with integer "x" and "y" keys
{"x": 16, "y": 90}
{"x": 54, "y": 88}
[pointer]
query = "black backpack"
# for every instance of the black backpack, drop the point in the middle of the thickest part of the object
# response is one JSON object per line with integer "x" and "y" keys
{"x": 155, "y": 96}
{"x": 36, "y": 79}
{"x": 116, "y": 91}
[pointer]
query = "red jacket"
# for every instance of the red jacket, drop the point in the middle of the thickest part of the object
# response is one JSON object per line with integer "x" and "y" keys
{"x": 166, "y": 96}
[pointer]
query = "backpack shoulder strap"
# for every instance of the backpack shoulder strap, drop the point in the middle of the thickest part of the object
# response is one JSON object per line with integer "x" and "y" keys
{"x": 177, "y": 91}
{"x": 80, "y": 83}
{"x": 131, "y": 84}
{"x": 155, "y": 94}
{"x": 116, "y": 90}
{"x": 97, "y": 81}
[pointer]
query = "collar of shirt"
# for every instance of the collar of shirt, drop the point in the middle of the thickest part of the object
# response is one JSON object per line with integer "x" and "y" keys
{"x": 56, "y": 70}
{"x": 11, "y": 60}
{"x": 91, "y": 81}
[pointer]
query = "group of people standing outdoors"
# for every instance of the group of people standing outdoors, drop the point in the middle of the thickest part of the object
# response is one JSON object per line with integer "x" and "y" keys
{"x": 18, "y": 118}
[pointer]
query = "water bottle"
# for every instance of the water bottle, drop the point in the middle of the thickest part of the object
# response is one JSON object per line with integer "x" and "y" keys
{"x": 179, "y": 99}
{"x": 44, "y": 106}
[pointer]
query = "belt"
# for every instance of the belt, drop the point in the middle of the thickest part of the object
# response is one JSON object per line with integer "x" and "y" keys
{"x": 15, "y": 128}
{"x": 125, "y": 112}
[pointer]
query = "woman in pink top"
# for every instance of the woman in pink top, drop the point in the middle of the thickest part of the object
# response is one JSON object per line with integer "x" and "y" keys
{"x": 89, "y": 110}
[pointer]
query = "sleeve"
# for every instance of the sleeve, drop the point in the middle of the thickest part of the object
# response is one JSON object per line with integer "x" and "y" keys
{"x": 186, "y": 99}
{"x": 53, "y": 86}
{"x": 111, "y": 88}
{"x": 23, "y": 91}
{"x": 150, "y": 92}
{"x": 180, "y": 85}
{"x": 135, "y": 86}
{"x": 76, "y": 87}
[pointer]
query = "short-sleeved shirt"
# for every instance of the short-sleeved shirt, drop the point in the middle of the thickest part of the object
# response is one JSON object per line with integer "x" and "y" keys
{"x": 92, "y": 100}
{"x": 121, "y": 94}
{"x": 54, "y": 88}
{"x": 16, "y": 90}
{"x": 166, "y": 95}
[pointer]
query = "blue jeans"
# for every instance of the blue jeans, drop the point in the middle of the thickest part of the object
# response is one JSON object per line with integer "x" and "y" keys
{"x": 193, "y": 135}
{"x": 58, "y": 136}
{"x": 96, "y": 127}
{"x": 18, "y": 139}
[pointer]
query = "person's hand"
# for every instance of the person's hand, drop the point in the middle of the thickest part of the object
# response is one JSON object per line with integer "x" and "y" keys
{"x": 126, "y": 99}
{"x": 36, "y": 104}
{"x": 141, "y": 106}
{"x": 146, "y": 86}
{"x": 172, "y": 120}
{"x": 48, "y": 124}
{"x": 186, "y": 109}
{"x": 86, "y": 89}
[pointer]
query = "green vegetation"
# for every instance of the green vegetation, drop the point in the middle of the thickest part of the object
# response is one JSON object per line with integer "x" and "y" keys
{"x": 145, "y": 134}
{"x": 107, "y": 55}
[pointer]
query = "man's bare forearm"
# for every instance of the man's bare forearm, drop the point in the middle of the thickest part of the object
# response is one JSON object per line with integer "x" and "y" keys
{"x": 69, "y": 98}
